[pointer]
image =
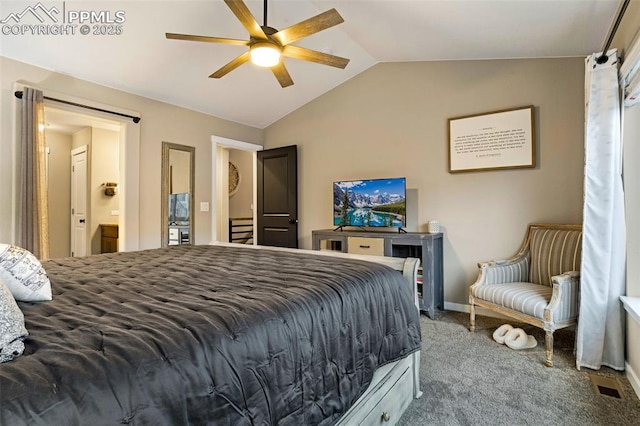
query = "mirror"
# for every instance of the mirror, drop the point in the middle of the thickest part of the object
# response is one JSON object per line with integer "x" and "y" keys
{"x": 178, "y": 179}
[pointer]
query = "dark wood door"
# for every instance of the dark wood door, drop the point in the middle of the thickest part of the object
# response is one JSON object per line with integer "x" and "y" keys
{"x": 278, "y": 197}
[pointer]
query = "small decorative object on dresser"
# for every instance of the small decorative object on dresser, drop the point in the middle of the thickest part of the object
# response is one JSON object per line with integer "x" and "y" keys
{"x": 425, "y": 246}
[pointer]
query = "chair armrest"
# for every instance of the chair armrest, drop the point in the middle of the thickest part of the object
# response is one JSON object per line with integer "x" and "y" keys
{"x": 503, "y": 271}
{"x": 564, "y": 299}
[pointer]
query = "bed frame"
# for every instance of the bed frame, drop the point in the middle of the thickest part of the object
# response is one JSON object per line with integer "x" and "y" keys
{"x": 394, "y": 385}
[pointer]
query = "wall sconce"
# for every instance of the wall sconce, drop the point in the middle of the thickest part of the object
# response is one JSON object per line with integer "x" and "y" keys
{"x": 111, "y": 188}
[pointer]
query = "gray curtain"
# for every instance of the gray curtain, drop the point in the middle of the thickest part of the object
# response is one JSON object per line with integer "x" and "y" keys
{"x": 34, "y": 212}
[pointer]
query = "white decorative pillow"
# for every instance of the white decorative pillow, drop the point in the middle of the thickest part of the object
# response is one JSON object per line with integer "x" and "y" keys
{"x": 23, "y": 274}
{"x": 12, "y": 329}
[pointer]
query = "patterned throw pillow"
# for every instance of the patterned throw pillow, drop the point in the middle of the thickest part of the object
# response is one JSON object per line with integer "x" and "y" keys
{"x": 12, "y": 329}
{"x": 23, "y": 274}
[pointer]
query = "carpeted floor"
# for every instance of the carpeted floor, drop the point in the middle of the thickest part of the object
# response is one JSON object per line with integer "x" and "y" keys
{"x": 469, "y": 379}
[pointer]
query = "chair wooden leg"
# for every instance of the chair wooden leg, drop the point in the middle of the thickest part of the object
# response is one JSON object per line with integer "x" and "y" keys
{"x": 548, "y": 340}
{"x": 472, "y": 318}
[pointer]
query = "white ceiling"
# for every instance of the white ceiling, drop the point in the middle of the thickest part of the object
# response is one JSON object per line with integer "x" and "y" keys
{"x": 68, "y": 122}
{"x": 142, "y": 61}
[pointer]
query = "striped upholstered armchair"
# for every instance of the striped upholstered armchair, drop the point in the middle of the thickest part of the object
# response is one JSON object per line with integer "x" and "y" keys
{"x": 540, "y": 285}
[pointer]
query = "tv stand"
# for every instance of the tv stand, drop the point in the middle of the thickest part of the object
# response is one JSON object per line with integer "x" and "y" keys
{"x": 340, "y": 228}
{"x": 421, "y": 245}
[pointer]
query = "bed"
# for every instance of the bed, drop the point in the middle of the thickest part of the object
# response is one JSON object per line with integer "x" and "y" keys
{"x": 220, "y": 334}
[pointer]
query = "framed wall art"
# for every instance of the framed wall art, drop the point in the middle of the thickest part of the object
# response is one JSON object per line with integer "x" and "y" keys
{"x": 495, "y": 140}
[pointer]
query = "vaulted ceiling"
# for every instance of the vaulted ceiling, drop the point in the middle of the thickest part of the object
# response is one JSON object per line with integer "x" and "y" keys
{"x": 142, "y": 61}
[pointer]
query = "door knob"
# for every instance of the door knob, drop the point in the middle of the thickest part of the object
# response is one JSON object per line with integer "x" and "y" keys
{"x": 293, "y": 221}
{"x": 82, "y": 221}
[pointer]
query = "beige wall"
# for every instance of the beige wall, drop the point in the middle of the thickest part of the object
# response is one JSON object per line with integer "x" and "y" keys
{"x": 59, "y": 193}
{"x": 391, "y": 120}
{"x": 81, "y": 138}
{"x": 160, "y": 122}
{"x": 104, "y": 166}
{"x": 180, "y": 178}
{"x": 623, "y": 39}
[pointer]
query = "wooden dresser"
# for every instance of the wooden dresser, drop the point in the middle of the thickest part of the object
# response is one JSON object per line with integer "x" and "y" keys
{"x": 108, "y": 238}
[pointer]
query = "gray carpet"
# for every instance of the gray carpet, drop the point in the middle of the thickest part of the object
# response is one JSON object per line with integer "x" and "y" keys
{"x": 469, "y": 379}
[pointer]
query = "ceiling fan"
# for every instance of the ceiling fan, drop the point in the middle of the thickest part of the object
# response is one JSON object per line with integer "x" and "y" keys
{"x": 267, "y": 45}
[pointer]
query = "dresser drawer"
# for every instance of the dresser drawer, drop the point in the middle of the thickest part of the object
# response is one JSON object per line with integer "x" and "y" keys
{"x": 109, "y": 231}
{"x": 366, "y": 245}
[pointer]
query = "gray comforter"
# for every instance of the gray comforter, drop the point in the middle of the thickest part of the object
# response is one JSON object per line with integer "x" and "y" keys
{"x": 206, "y": 335}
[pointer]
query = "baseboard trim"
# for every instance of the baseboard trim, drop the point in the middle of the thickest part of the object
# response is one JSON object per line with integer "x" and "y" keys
{"x": 457, "y": 307}
{"x": 633, "y": 378}
{"x": 461, "y": 307}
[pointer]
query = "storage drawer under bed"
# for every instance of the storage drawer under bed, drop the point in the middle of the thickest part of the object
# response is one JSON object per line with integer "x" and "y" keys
{"x": 386, "y": 399}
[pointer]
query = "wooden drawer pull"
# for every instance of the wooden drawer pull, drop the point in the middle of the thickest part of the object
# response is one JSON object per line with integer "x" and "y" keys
{"x": 385, "y": 416}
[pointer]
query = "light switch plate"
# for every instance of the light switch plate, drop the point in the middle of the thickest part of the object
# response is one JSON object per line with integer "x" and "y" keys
{"x": 115, "y": 212}
{"x": 204, "y": 206}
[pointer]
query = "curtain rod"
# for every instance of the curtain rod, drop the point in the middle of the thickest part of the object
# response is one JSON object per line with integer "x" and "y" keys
{"x": 612, "y": 31}
{"x": 135, "y": 119}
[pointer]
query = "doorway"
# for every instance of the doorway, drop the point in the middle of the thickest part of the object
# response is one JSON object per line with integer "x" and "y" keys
{"x": 129, "y": 160}
{"x": 220, "y": 191}
{"x": 83, "y": 156}
{"x": 241, "y": 205}
{"x": 222, "y": 150}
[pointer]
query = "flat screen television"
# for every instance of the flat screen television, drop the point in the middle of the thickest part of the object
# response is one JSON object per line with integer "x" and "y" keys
{"x": 179, "y": 209}
{"x": 370, "y": 203}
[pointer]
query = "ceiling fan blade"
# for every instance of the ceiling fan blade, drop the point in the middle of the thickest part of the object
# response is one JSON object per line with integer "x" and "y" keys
{"x": 245, "y": 17}
{"x": 297, "y": 52}
{"x": 232, "y": 65}
{"x": 207, "y": 39}
{"x": 281, "y": 73}
{"x": 310, "y": 26}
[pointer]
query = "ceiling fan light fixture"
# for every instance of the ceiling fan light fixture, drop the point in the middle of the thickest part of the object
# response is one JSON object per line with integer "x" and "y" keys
{"x": 265, "y": 54}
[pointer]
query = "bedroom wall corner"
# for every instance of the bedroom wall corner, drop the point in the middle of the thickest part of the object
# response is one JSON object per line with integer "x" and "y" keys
{"x": 392, "y": 120}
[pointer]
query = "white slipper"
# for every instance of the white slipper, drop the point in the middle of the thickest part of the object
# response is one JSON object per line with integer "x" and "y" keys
{"x": 518, "y": 339}
{"x": 502, "y": 332}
